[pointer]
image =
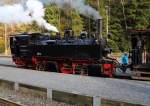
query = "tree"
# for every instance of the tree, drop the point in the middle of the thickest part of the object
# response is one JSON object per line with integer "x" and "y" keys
{"x": 2, "y": 48}
{"x": 136, "y": 16}
{"x": 65, "y": 18}
{"x": 137, "y": 12}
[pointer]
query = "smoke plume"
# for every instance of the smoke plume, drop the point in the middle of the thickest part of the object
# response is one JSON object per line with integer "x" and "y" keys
{"x": 31, "y": 10}
{"x": 78, "y": 5}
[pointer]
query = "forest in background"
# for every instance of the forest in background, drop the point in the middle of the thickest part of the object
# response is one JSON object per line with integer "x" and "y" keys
{"x": 122, "y": 15}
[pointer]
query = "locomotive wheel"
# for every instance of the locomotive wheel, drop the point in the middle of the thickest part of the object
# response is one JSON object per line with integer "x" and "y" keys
{"x": 40, "y": 67}
{"x": 67, "y": 69}
{"x": 94, "y": 70}
{"x": 47, "y": 66}
{"x": 84, "y": 70}
{"x": 51, "y": 66}
{"x": 81, "y": 70}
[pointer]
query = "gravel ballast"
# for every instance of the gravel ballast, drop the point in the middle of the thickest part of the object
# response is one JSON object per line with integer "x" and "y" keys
{"x": 27, "y": 99}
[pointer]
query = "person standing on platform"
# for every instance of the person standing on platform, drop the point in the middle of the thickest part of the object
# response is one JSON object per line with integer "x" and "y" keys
{"x": 124, "y": 61}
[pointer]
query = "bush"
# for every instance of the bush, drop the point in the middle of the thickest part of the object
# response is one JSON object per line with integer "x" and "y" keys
{"x": 113, "y": 45}
{"x": 2, "y": 46}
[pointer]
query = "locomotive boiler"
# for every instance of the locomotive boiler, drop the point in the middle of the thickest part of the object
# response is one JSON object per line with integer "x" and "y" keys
{"x": 85, "y": 54}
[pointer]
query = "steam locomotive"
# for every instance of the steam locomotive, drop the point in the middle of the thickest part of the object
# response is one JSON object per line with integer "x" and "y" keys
{"x": 85, "y": 55}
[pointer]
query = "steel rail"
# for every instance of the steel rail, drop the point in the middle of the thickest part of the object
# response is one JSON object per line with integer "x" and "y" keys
{"x": 6, "y": 102}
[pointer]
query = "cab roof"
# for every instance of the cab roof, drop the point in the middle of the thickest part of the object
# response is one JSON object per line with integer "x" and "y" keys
{"x": 143, "y": 32}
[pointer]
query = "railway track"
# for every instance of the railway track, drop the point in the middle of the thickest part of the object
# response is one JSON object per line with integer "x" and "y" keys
{"x": 5, "y": 102}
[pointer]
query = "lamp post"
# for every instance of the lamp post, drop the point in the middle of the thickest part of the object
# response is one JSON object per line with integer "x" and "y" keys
{"x": 5, "y": 37}
{"x": 123, "y": 10}
{"x": 107, "y": 20}
{"x": 107, "y": 7}
{"x": 59, "y": 18}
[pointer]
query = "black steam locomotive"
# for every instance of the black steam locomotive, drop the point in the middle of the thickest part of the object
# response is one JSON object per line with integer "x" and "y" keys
{"x": 85, "y": 54}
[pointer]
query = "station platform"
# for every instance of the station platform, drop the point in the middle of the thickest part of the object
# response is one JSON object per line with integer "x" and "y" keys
{"x": 113, "y": 89}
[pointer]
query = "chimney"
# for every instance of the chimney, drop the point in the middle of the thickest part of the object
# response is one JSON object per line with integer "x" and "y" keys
{"x": 99, "y": 28}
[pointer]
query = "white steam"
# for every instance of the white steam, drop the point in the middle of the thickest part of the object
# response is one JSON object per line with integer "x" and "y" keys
{"x": 78, "y": 5}
{"x": 33, "y": 10}
{"x": 18, "y": 13}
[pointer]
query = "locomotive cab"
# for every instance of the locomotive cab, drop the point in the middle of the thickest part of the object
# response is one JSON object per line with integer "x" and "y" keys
{"x": 17, "y": 42}
{"x": 21, "y": 46}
